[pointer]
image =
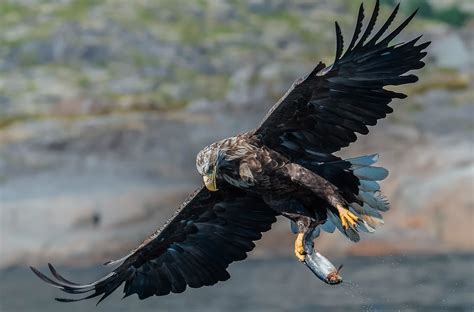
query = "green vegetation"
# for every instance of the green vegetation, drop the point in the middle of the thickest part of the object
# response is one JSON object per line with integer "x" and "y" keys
{"x": 8, "y": 120}
{"x": 440, "y": 79}
{"x": 161, "y": 55}
{"x": 451, "y": 15}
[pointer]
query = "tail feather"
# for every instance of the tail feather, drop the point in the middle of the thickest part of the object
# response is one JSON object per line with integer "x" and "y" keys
{"x": 364, "y": 161}
{"x": 371, "y": 216}
{"x": 294, "y": 227}
{"x": 363, "y": 225}
{"x": 370, "y": 203}
{"x": 351, "y": 233}
{"x": 371, "y": 173}
{"x": 374, "y": 200}
{"x": 328, "y": 226}
{"x": 369, "y": 186}
{"x": 366, "y": 210}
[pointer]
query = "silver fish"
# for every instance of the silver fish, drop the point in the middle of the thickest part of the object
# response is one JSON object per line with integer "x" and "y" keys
{"x": 317, "y": 263}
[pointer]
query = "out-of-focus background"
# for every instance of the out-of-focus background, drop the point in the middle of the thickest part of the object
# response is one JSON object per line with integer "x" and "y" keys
{"x": 104, "y": 105}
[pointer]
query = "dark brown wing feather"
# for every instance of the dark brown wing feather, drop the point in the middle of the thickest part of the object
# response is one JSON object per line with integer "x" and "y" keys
{"x": 322, "y": 113}
{"x": 193, "y": 248}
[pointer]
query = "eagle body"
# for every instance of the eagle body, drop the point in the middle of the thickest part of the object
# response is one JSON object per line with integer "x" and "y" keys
{"x": 289, "y": 188}
{"x": 286, "y": 166}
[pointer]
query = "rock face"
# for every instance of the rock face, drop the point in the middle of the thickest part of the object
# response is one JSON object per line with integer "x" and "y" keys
{"x": 98, "y": 186}
{"x": 101, "y": 119}
{"x": 451, "y": 52}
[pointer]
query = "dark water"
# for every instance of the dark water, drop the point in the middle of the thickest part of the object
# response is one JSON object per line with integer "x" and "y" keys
{"x": 393, "y": 283}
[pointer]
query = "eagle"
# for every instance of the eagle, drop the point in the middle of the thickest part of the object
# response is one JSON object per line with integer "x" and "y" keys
{"x": 284, "y": 167}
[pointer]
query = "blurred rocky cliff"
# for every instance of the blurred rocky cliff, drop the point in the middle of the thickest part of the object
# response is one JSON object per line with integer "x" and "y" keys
{"x": 104, "y": 105}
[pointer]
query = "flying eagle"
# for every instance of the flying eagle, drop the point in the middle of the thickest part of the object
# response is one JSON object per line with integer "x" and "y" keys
{"x": 283, "y": 167}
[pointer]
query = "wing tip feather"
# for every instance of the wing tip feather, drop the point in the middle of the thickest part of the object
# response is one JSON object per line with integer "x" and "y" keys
{"x": 339, "y": 42}
{"x": 358, "y": 28}
{"x": 370, "y": 26}
{"x": 385, "y": 26}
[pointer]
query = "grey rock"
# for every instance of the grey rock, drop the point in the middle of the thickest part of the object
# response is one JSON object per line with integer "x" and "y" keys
{"x": 451, "y": 52}
{"x": 203, "y": 106}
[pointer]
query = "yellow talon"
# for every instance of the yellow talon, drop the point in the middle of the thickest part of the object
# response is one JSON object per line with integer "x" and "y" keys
{"x": 299, "y": 248}
{"x": 348, "y": 219}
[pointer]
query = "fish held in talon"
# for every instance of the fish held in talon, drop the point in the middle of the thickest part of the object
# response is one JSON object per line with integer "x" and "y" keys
{"x": 285, "y": 166}
{"x": 320, "y": 265}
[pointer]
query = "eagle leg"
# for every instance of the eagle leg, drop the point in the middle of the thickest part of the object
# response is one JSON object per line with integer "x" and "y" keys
{"x": 299, "y": 247}
{"x": 348, "y": 219}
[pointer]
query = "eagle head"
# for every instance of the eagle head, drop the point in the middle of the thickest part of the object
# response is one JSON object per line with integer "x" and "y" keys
{"x": 207, "y": 163}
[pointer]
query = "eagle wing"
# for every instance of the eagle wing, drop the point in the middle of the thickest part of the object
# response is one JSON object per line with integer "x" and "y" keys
{"x": 322, "y": 113}
{"x": 194, "y": 248}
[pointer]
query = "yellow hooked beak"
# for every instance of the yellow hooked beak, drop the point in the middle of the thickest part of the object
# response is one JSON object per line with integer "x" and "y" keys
{"x": 210, "y": 181}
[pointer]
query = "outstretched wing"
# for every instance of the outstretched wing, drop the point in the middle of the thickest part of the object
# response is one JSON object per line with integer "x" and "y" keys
{"x": 322, "y": 113}
{"x": 194, "y": 248}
